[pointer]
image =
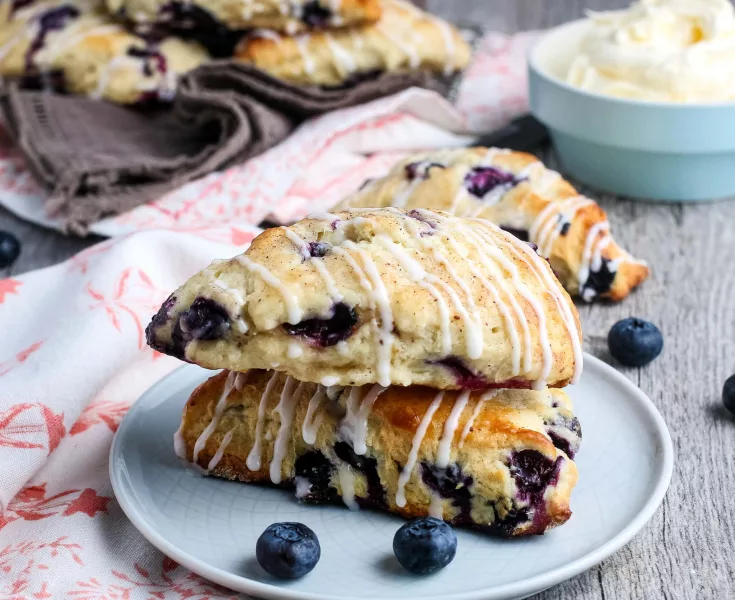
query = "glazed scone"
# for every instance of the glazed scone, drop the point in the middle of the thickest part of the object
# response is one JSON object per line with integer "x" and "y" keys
{"x": 290, "y": 16}
{"x": 75, "y": 42}
{"x": 404, "y": 39}
{"x": 515, "y": 191}
{"x": 380, "y": 296}
{"x": 499, "y": 461}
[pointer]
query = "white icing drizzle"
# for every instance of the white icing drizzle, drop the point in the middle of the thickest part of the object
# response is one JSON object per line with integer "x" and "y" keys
{"x": 303, "y": 487}
{"x": 294, "y": 350}
{"x": 180, "y": 442}
{"x": 285, "y": 409}
{"x": 313, "y": 420}
{"x": 317, "y": 263}
{"x": 489, "y": 246}
{"x": 419, "y": 275}
{"x": 418, "y": 437}
{"x": 548, "y": 280}
{"x": 302, "y": 44}
{"x": 218, "y": 410}
{"x": 544, "y": 233}
{"x": 353, "y": 427}
{"x": 587, "y": 257}
{"x": 341, "y": 56}
{"x": 240, "y": 323}
{"x": 436, "y": 508}
{"x": 290, "y": 300}
{"x": 470, "y": 422}
{"x": 108, "y": 72}
{"x": 502, "y": 307}
{"x": 220, "y": 450}
{"x": 472, "y": 322}
{"x": 347, "y": 483}
{"x": 356, "y": 39}
{"x": 253, "y": 461}
{"x": 450, "y": 428}
{"x": 329, "y": 380}
{"x": 266, "y": 34}
{"x": 449, "y": 45}
{"x": 381, "y": 299}
{"x": 414, "y": 60}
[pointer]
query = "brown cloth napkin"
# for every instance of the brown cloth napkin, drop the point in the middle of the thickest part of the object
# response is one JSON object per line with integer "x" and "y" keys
{"x": 99, "y": 159}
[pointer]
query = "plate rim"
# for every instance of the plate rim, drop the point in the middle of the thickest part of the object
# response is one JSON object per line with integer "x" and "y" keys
{"x": 664, "y": 470}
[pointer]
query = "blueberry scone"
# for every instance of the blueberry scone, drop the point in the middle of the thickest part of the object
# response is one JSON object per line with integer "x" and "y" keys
{"x": 380, "y": 295}
{"x": 74, "y": 46}
{"x": 515, "y": 191}
{"x": 499, "y": 461}
{"x": 404, "y": 39}
{"x": 288, "y": 16}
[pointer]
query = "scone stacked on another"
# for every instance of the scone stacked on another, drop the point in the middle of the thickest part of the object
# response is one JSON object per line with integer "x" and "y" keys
{"x": 74, "y": 46}
{"x": 387, "y": 358}
{"x": 517, "y": 192}
{"x": 403, "y": 39}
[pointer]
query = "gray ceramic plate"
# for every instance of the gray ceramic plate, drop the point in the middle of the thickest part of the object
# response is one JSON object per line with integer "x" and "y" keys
{"x": 210, "y": 526}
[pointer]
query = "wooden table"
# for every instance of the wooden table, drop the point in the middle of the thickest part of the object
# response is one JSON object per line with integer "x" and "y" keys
{"x": 687, "y": 551}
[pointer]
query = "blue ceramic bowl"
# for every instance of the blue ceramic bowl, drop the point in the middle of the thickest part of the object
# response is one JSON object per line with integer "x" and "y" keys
{"x": 646, "y": 150}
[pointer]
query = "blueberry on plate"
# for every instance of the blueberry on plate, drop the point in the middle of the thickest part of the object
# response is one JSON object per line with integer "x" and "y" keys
{"x": 635, "y": 342}
{"x": 9, "y": 249}
{"x": 288, "y": 550}
{"x": 425, "y": 545}
{"x": 728, "y": 394}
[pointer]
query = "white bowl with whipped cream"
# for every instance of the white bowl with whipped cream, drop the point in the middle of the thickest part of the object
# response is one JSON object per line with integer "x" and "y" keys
{"x": 641, "y": 102}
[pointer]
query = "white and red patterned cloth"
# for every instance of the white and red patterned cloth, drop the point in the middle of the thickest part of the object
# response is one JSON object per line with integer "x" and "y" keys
{"x": 72, "y": 349}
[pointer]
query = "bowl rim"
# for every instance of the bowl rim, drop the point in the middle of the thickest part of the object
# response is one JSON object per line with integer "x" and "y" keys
{"x": 535, "y": 67}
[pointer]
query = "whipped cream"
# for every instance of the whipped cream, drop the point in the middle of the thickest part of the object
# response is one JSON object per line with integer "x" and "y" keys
{"x": 662, "y": 50}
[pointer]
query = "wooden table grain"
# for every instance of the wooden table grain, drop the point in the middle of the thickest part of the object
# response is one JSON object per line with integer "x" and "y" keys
{"x": 687, "y": 550}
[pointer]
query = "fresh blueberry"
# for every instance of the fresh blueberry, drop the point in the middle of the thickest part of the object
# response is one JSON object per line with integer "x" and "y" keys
{"x": 9, "y": 249}
{"x": 635, "y": 342}
{"x": 425, "y": 545}
{"x": 728, "y": 394}
{"x": 288, "y": 550}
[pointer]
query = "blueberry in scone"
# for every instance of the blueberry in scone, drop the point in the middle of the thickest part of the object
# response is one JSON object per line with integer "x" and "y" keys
{"x": 485, "y": 460}
{"x": 516, "y": 192}
{"x": 382, "y": 295}
{"x": 289, "y": 17}
{"x": 404, "y": 39}
{"x": 72, "y": 45}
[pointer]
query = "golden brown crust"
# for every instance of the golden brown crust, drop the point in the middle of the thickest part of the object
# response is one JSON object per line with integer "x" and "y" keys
{"x": 289, "y": 17}
{"x": 388, "y": 297}
{"x": 404, "y": 39}
{"x": 94, "y": 55}
{"x": 585, "y": 257}
{"x": 509, "y": 427}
